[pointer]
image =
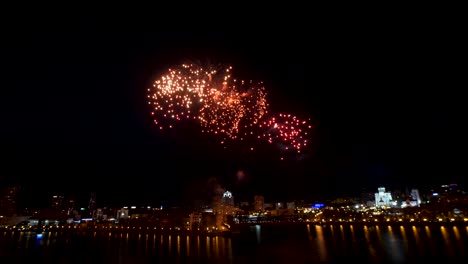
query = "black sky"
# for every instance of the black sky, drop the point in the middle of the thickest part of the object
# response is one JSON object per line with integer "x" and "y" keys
{"x": 385, "y": 97}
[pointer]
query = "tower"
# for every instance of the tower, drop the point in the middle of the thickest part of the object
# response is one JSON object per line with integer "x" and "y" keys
{"x": 227, "y": 198}
{"x": 92, "y": 202}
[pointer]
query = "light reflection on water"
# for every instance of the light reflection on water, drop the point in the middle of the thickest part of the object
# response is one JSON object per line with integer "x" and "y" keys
{"x": 404, "y": 241}
{"x": 321, "y": 244}
{"x": 446, "y": 239}
{"x": 260, "y": 244}
{"x": 418, "y": 242}
{"x": 187, "y": 245}
{"x": 458, "y": 239}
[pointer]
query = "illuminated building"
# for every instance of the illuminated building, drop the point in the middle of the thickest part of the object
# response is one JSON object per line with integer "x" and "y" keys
{"x": 279, "y": 205}
{"x": 92, "y": 202}
{"x": 8, "y": 201}
{"x": 195, "y": 219}
{"x": 57, "y": 202}
{"x": 227, "y": 198}
{"x": 259, "y": 202}
{"x": 415, "y": 196}
{"x": 450, "y": 187}
{"x": 70, "y": 205}
{"x": 99, "y": 214}
{"x": 122, "y": 214}
{"x": 383, "y": 198}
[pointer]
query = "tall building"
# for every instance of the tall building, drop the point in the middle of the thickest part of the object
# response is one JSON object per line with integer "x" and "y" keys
{"x": 70, "y": 205}
{"x": 383, "y": 198}
{"x": 92, "y": 202}
{"x": 227, "y": 198}
{"x": 195, "y": 219}
{"x": 57, "y": 202}
{"x": 259, "y": 202}
{"x": 415, "y": 197}
{"x": 9, "y": 200}
{"x": 99, "y": 215}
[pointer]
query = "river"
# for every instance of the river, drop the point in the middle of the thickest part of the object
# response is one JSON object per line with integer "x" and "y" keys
{"x": 308, "y": 243}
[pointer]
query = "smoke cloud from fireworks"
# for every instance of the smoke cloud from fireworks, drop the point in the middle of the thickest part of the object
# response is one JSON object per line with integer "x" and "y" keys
{"x": 224, "y": 106}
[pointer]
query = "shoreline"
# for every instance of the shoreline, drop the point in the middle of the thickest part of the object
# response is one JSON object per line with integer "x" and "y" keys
{"x": 235, "y": 228}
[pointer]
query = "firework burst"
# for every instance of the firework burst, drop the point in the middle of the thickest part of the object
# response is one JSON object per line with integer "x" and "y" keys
{"x": 288, "y": 131}
{"x": 222, "y": 105}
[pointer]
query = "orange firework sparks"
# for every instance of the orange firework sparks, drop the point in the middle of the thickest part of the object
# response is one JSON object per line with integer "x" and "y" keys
{"x": 222, "y": 105}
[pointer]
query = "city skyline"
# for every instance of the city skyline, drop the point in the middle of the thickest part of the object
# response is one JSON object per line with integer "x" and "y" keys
{"x": 59, "y": 200}
{"x": 384, "y": 105}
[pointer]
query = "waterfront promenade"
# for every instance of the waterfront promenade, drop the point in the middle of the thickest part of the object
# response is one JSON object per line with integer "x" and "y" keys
{"x": 91, "y": 228}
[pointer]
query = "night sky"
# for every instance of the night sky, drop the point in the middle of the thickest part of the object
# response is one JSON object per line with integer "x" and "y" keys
{"x": 385, "y": 99}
